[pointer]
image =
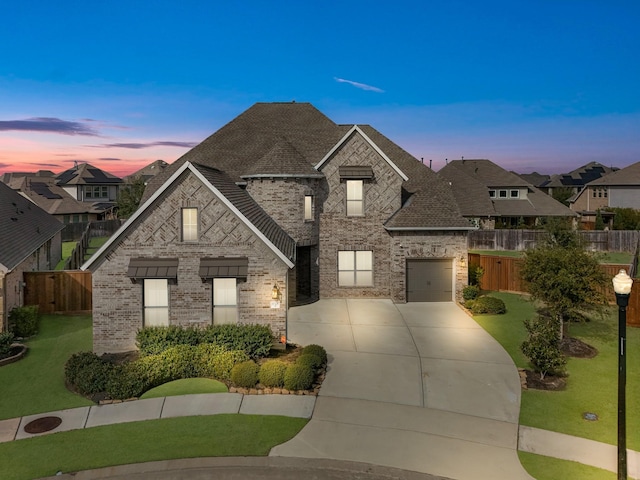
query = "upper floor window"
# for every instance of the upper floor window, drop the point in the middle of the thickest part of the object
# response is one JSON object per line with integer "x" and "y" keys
{"x": 308, "y": 207}
{"x": 189, "y": 224}
{"x": 502, "y": 194}
{"x": 355, "y": 268}
{"x": 492, "y": 194}
{"x": 355, "y": 198}
{"x": 96, "y": 191}
{"x": 514, "y": 193}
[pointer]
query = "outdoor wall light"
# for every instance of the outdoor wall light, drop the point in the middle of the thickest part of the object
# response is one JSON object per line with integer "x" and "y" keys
{"x": 276, "y": 296}
{"x": 622, "y": 286}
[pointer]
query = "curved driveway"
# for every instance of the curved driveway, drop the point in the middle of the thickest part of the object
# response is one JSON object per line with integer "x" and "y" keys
{"x": 417, "y": 386}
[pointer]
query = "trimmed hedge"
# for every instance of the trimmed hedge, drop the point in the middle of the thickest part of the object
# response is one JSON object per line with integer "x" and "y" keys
{"x": 470, "y": 292}
{"x": 316, "y": 350}
{"x": 88, "y": 373}
{"x": 6, "y": 339}
{"x": 254, "y": 340}
{"x": 24, "y": 321}
{"x": 298, "y": 377}
{"x": 272, "y": 373}
{"x": 311, "y": 360}
{"x": 487, "y": 305}
{"x": 245, "y": 374}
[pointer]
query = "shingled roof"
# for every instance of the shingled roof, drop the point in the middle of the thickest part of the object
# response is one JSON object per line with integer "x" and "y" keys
{"x": 580, "y": 176}
{"x": 24, "y": 227}
{"x": 251, "y": 144}
{"x": 51, "y": 197}
{"x": 86, "y": 174}
{"x": 626, "y": 176}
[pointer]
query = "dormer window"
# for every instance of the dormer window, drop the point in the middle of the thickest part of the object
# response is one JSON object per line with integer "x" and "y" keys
{"x": 502, "y": 194}
{"x": 514, "y": 193}
{"x": 492, "y": 194}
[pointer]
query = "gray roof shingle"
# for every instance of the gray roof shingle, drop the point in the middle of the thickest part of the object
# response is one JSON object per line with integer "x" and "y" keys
{"x": 24, "y": 227}
{"x": 86, "y": 174}
{"x": 625, "y": 176}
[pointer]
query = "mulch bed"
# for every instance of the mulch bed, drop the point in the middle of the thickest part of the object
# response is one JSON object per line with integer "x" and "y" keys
{"x": 532, "y": 380}
{"x": 573, "y": 347}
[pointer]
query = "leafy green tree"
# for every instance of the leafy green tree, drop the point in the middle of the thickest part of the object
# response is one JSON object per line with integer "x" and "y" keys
{"x": 563, "y": 275}
{"x": 542, "y": 347}
{"x": 599, "y": 221}
{"x": 129, "y": 197}
{"x": 625, "y": 218}
{"x": 562, "y": 194}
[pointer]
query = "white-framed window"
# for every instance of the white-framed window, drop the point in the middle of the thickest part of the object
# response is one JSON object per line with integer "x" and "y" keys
{"x": 492, "y": 194}
{"x": 225, "y": 301}
{"x": 502, "y": 194}
{"x": 308, "y": 207}
{"x": 355, "y": 268}
{"x": 93, "y": 191}
{"x": 514, "y": 193}
{"x": 189, "y": 224}
{"x": 355, "y": 198}
{"x": 156, "y": 302}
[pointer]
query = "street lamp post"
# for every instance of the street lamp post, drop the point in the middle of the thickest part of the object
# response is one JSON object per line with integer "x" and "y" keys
{"x": 622, "y": 286}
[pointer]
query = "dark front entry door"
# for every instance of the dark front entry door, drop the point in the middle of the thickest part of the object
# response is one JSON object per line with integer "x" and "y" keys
{"x": 429, "y": 280}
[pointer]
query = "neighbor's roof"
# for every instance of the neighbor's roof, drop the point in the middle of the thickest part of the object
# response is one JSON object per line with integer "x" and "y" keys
{"x": 86, "y": 174}
{"x": 24, "y": 227}
{"x": 249, "y": 145}
{"x": 51, "y": 197}
{"x": 234, "y": 197}
{"x": 536, "y": 179}
{"x": 472, "y": 179}
{"x": 580, "y": 176}
{"x": 147, "y": 172}
{"x": 625, "y": 176}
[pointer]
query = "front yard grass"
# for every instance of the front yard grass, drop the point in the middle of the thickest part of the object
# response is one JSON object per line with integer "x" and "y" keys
{"x": 548, "y": 468}
{"x": 120, "y": 444}
{"x": 186, "y": 386}
{"x": 35, "y": 384}
{"x": 592, "y": 383}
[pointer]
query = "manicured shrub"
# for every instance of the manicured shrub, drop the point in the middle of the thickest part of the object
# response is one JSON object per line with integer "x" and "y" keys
{"x": 6, "y": 339}
{"x": 179, "y": 362}
{"x": 24, "y": 321}
{"x": 272, "y": 373}
{"x": 316, "y": 350}
{"x": 475, "y": 274}
{"x": 255, "y": 340}
{"x": 298, "y": 377}
{"x": 205, "y": 359}
{"x": 224, "y": 362}
{"x": 542, "y": 346}
{"x": 490, "y": 305}
{"x": 245, "y": 374}
{"x": 88, "y": 373}
{"x": 311, "y": 360}
{"x": 128, "y": 381}
{"x": 470, "y": 292}
{"x": 153, "y": 340}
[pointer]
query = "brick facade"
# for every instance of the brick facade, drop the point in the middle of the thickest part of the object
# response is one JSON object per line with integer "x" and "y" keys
{"x": 118, "y": 303}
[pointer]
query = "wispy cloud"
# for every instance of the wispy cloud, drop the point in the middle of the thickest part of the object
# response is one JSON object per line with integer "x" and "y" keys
{"x": 48, "y": 125}
{"x": 361, "y": 86}
{"x": 137, "y": 146}
{"x": 110, "y": 159}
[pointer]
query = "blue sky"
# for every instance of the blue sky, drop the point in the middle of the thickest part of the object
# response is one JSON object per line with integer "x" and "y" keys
{"x": 532, "y": 85}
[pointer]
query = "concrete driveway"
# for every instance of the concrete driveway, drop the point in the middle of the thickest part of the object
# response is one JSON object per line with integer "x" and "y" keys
{"x": 418, "y": 386}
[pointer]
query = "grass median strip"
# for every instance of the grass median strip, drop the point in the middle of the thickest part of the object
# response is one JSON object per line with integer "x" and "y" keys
{"x": 121, "y": 444}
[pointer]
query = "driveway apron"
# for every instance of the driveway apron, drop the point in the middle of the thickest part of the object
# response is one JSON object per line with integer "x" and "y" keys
{"x": 417, "y": 386}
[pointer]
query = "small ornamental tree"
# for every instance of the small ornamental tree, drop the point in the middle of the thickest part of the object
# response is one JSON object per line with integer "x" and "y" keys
{"x": 563, "y": 275}
{"x": 542, "y": 347}
{"x": 599, "y": 221}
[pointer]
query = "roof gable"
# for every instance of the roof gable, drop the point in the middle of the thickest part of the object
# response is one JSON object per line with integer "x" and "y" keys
{"x": 233, "y": 197}
{"x": 628, "y": 176}
{"x": 86, "y": 174}
{"x": 356, "y": 129}
{"x": 24, "y": 227}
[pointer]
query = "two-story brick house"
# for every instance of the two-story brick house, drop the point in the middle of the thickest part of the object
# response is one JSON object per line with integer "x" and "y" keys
{"x": 279, "y": 206}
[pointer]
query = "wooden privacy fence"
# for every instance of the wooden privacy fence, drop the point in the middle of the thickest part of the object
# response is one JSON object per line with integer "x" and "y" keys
{"x": 503, "y": 274}
{"x": 60, "y": 291}
{"x": 598, "y": 240}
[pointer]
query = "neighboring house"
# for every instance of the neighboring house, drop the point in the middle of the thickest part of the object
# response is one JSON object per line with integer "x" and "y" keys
{"x": 30, "y": 240}
{"x": 278, "y": 207}
{"x": 148, "y": 172}
{"x": 53, "y": 199}
{"x": 620, "y": 188}
{"x": 89, "y": 184}
{"x": 492, "y": 197}
{"x": 575, "y": 180}
{"x": 536, "y": 179}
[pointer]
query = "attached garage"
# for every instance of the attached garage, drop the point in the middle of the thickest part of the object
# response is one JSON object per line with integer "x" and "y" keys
{"x": 430, "y": 280}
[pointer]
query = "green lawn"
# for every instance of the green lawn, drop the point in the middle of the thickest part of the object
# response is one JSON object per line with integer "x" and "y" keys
{"x": 67, "y": 249}
{"x": 548, "y": 468}
{"x": 591, "y": 385}
{"x": 35, "y": 384}
{"x": 186, "y": 386}
{"x": 185, "y": 437}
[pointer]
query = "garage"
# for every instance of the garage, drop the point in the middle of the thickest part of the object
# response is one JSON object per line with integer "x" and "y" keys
{"x": 429, "y": 280}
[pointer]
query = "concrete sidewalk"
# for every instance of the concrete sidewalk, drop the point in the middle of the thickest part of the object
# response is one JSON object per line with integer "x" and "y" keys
{"x": 300, "y": 406}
